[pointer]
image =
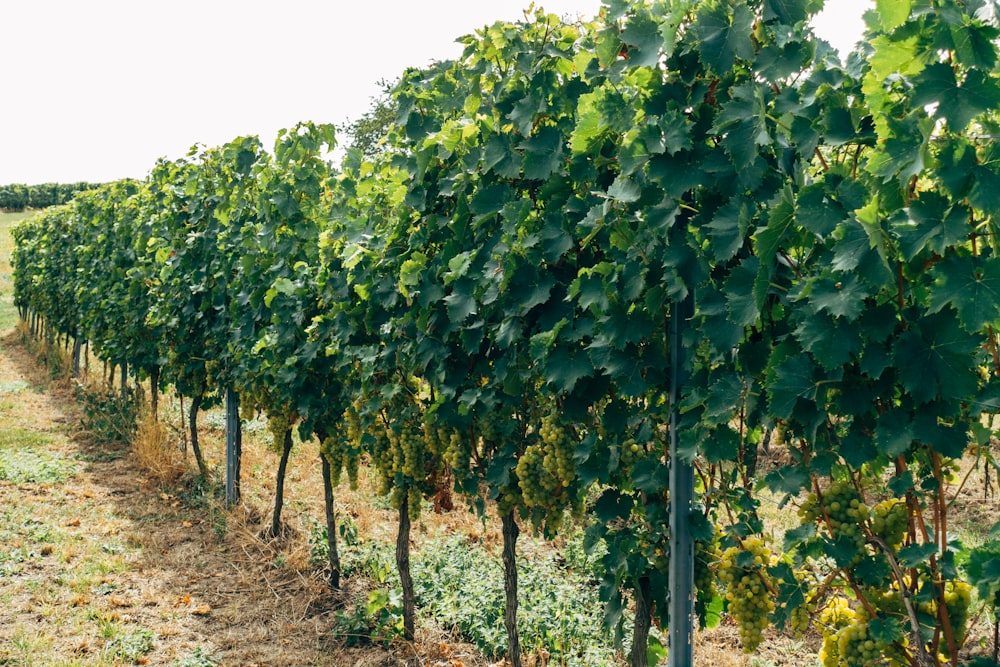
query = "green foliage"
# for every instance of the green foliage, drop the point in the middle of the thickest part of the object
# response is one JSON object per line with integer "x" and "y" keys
{"x": 129, "y": 646}
{"x": 482, "y": 306}
{"x": 378, "y": 619}
{"x": 462, "y": 588}
{"x": 110, "y": 415}
{"x": 198, "y": 659}
{"x": 368, "y": 131}
{"x": 24, "y": 459}
{"x": 459, "y": 585}
{"x": 319, "y": 545}
{"x": 31, "y": 466}
{"x": 17, "y": 196}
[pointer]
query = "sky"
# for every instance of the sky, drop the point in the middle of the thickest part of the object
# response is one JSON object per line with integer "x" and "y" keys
{"x": 99, "y": 90}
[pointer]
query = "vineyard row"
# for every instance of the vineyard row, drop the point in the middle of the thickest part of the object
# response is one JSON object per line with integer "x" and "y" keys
{"x": 483, "y": 305}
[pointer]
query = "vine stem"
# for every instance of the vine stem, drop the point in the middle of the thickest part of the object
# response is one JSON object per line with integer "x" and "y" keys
{"x": 819, "y": 154}
{"x": 972, "y": 234}
{"x": 965, "y": 479}
{"x": 829, "y": 526}
{"x": 941, "y": 510}
{"x": 992, "y": 347}
{"x": 921, "y": 656}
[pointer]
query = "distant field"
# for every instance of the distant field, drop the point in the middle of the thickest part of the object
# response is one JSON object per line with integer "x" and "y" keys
{"x": 8, "y": 314}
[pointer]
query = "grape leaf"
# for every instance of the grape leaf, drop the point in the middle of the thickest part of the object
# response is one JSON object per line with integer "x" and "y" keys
{"x": 957, "y": 103}
{"x": 971, "y": 286}
{"x": 723, "y": 33}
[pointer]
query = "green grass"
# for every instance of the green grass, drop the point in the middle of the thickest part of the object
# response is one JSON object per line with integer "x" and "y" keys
{"x": 130, "y": 645}
{"x": 198, "y": 659}
{"x": 23, "y": 459}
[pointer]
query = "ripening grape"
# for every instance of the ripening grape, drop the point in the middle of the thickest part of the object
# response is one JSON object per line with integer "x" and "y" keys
{"x": 840, "y": 509}
{"x": 706, "y": 555}
{"x": 800, "y": 618}
{"x": 431, "y": 441}
{"x": 546, "y": 469}
{"x": 558, "y": 459}
{"x": 411, "y": 444}
{"x": 835, "y": 616}
{"x": 957, "y": 599}
{"x": 509, "y": 498}
{"x": 278, "y": 425}
{"x": 750, "y": 602}
{"x": 381, "y": 452}
{"x": 889, "y": 521}
{"x": 856, "y": 647}
{"x": 413, "y": 502}
{"x": 335, "y": 457}
{"x": 456, "y": 454}
{"x": 630, "y": 452}
{"x": 352, "y": 423}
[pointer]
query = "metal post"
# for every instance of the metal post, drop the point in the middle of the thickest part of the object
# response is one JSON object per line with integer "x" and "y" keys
{"x": 681, "y": 575}
{"x": 232, "y": 448}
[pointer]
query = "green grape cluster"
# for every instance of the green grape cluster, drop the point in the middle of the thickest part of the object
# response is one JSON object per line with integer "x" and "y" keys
{"x": 381, "y": 453}
{"x": 456, "y": 454}
{"x": 706, "y": 557}
{"x": 509, "y": 498}
{"x": 342, "y": 456}
{"x": 448, "y": 445}
{"x": 841, "y": 508}
{"x": 957, "y": 600}
{"x": 750, "y": 603}
{"x": 546, "y": 468}
{"x": 888, "y": 602}
{"x": 857, "y": 647}
{"x": 847, "y": 636}
{"x": 278, "y": 424}
{"x": 631, "y": 451}
{"x": 890, "y": 521}
{"x": 435, "y": 437}
{"x": 538, "y": 488}
{"x": 335, "y": 455}
{"x": 836, "y": 616}
{"x": 800, "y": 618}
{"x": 408, "y": 452}
{"x": 558, "y": 460}
{"x": 352, "y": 424}
{"x": 411, "y": 494}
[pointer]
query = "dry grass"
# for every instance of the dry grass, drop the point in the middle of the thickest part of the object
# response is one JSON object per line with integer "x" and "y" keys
{"x": 161, "y": 459}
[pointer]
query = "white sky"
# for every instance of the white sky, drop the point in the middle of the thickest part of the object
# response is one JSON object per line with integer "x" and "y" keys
{"x": 97, "y": 90}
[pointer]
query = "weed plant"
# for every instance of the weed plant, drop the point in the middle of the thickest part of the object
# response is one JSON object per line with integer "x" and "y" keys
{"x": 109, "y": 415}
{"x": 198, "y": 659}
{"x": 460, "y": 585}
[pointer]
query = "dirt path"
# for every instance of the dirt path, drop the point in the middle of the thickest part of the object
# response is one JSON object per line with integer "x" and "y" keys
{"x": 98, "y": 566}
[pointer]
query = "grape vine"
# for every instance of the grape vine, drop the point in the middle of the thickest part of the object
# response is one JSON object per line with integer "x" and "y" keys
{"x": 482, "y": 306}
